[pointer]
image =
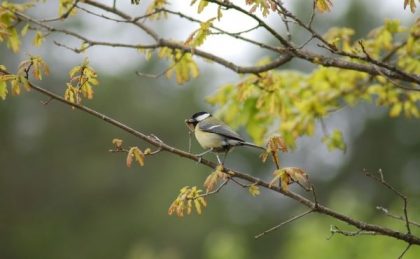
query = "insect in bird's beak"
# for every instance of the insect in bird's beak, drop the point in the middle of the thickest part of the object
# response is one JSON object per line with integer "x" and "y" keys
{"x": 190, "y": 124}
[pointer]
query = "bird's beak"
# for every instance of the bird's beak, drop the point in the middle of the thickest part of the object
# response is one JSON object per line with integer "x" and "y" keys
{"x": 190, "y": 124}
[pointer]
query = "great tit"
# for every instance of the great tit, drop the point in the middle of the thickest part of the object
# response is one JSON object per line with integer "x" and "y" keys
{"x": 214, "y": 135}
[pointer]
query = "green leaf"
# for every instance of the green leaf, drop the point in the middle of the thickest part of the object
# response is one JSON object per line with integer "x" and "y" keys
{"x": 13, "y": 41}
{"x": 15, "y": 87}
{"x": 323, "y": 5}
{"x": 183, "y": 66}
{"x": 198, "y": 37}
{"x": 38, "y": 39}
{"x": 3, "y": 90}
{"x": 202, "y": 5}
{"x": 395, "y": 110}
{"x": 335, "y": 141}
{"x": 254, "y": 190}
{"x": 24, "y": 29}
{"x": 65, "y": 5}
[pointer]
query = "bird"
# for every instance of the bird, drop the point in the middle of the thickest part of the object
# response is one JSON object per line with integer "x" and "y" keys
{"x": 214, "y": 135}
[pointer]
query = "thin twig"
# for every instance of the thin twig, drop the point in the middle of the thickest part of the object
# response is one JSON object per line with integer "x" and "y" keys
{"x": 240, "y": 184}
{"x": 216, "y": 190}
{"x": 134, "y": 19}
{"x": 335, "y": 230}
{"x": 311, "y": 20}
{"x": 389, "y": 214}
{"x": 286, "y": 24}
{"x": 64, "y": 15}
{"x": 405, "y": 251}
{"x": 314, "y": 196}
{"x": 283, "y": 223}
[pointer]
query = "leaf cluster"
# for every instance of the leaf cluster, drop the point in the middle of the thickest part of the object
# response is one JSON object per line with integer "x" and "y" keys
{"x": 82, "y": 79}
{"x": 188, "y": 198}
{"x": 290, "y": 102}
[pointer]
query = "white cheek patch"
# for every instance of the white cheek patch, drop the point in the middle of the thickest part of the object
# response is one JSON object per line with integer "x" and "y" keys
{"x": 202, "y": 117}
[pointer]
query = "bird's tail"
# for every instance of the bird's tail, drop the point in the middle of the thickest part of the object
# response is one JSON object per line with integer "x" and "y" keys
{"x": 252, "y": 145}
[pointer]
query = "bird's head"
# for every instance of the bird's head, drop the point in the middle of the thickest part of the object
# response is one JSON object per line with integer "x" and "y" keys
{"x": 196, "y": 118}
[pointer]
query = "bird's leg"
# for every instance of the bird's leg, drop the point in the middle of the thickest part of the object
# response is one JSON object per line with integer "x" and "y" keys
{"x": 224, "y": 157}
{"x": 202, "y": 154}
{"x": 218, "y": 160}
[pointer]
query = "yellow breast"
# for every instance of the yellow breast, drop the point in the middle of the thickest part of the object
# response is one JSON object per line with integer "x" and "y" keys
{"x": 208, "y": 140}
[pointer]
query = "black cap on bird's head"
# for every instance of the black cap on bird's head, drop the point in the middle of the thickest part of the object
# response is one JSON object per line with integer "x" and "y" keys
{"x": 196, "y": 118}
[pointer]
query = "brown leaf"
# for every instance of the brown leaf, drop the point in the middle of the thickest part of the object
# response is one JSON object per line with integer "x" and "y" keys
{"x": 285, "y": 181}
{"x": 138, "y": 155}
{"x": 117, "y": 143}
{"x": 130, "y": 156}
{"x": 277, "y": 174}
{"x": 277, "y": 143}
{"x": 289, "y": 175}
{"x": 264, "y": 156}
{"x": 190, "y": 38}
{"x": 412, "y": 4}
{"x": 212, "y": 179}
{"x": 299, "y": 176}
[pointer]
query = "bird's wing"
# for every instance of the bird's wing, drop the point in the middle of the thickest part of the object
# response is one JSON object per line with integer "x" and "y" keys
{"x": 221, "y": 129}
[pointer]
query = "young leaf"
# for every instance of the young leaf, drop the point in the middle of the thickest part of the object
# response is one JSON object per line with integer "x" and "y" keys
{"x": 117, "y": 143}
{"x": 71, "y": 94}
{"x": 323, "y": 5}
{"x": 186, "y": 198}
{"x": 155, "y": 5}
{"x": 254, "y": 190}
{"x": 24, "y": 29}
{"x": 13, "y": 41}
{"x": 39, "y": 67}
{"x": 129, "y": 159}
{"x": 84, "y": 77}
{"x": 395, "y": 110}
{"x": 137, "y": 154}
{"x": 64, "y": 7}
{"x": 299, "y": 176}
{"x": 213, "y": 178}
{"x": 335, "y": 141}
{"x": 38, "y": 39}
{"x": 15, "y": 86}
{"x": 197, "y": 205}
{"x": 412, "y": 5}
{"x": 198, "y": 37}
{"x": 3, "y": 89}
{"x": 289, "y": 175}
{"x": 202, "y": 5}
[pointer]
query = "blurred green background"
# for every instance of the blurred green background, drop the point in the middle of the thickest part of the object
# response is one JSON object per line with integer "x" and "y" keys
{"x": 63, "y": 195}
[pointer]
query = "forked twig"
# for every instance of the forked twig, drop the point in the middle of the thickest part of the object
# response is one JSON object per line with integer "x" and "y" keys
{"x": 382, "y": 181}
